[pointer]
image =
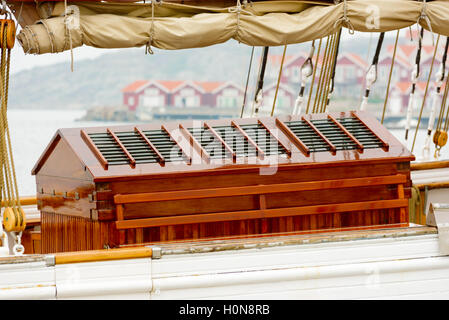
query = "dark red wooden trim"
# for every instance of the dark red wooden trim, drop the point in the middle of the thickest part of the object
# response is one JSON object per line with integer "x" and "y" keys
{"x": 322, "y": 136}
{"x": 219, "y": 138}
{"x": 188, "y": 158}
{"x": 97, "y": 153}
{"x": 293, "y": 138}
{"x": 338, "y": 124}
{"x": 287, "y": 150}
{"x": 385, "y": 145}
{"x": 151, "y": 145}
{"x": 132, "y": 161}
{"x": 195, "y": 144}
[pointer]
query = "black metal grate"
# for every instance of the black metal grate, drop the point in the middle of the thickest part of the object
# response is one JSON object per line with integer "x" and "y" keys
{"x": 361, "y": 133}
{"x": 334, "y": 134}
{"x": 237, "y": 141}
{"x": 263, "y": 138}
{"x": 136, "y": 146}
{"x": 141, "y": 151}
{"x": 109, "y": 148}
{"x": 208, "y": 142}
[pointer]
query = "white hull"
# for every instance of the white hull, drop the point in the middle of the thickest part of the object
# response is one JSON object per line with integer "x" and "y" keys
{"x": 397, "y": 266}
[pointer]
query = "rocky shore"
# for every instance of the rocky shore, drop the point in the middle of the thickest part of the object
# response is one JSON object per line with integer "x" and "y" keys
{"x": 108, "y": 113}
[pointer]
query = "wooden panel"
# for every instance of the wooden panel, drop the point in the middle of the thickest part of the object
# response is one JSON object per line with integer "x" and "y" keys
{"x": 321, "y": 135}
{"x": 293, "y": 138}
{"x": 275, "y": 188}
{"x": 195, "y": 144}
{"x": 104, "y": 163}
{"x": 268, "y": 213}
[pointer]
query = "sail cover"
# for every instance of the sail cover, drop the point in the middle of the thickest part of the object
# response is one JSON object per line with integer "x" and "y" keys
{"x": 175, "y": 26}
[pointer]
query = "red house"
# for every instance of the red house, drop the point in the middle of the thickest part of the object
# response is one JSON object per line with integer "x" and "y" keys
{"x": 285, "y": 99}
{"x": 148, "y": 93}
{"x": 183, "y": 94}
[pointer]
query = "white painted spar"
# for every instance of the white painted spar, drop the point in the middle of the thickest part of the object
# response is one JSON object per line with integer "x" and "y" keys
{"x": 351, "y": 281}
{"x": 308, "y": 255}
{"x": 374, "y": 268}
{"x": 24, "y": 279}
{"x": 399, "y": 266}
{"x": 117, "y": 279}
{"x": 430, "y": 176}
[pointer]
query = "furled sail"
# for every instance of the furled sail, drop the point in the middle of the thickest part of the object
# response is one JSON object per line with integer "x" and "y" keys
{"x": 172, "y": 26}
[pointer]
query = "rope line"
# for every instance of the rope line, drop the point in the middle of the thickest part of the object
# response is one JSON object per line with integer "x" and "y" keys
{"x": 313, "y": 76}
{"x": 247, "y": 81}
{"x": 387, "y": 94}
{"x": 279, "y": 80}
{"x": 425, "y": 92}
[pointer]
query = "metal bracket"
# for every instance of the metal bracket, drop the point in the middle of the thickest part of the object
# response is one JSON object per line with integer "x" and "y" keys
{"x": 50, "y": 260}
{"x": 438, "y": 216}
{"x": 156, "y": 252}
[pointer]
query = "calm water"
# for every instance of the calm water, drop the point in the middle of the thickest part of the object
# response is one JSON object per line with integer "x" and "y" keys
{"x": 32, "y": 130}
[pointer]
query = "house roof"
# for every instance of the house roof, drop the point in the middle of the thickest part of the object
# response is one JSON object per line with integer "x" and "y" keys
{"x": 353, "y": 58}
{"x": 281, "y": 85}
{"x": 405, "y": 86}
{"x": 169, "y": 85}
{"x": 209, "y": 86}
{"x": 135, "y": 86}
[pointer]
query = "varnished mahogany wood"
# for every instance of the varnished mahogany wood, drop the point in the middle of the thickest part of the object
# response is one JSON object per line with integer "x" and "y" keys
{"x": 275, "y": 136}
{"x": 260, "y": 152}
{"x": 260, "y": 189}
{"x": 132, "y": 161}
{"x": 267, "y": 213}
{"x": 219, "y": 138}
{"x": 385, "y": 145}
{"x": 195, "y": 144}
{"x": 293, "y": 138}
{"x": 151, "y": 145}
{"x": 183, "y": 149}
{"x": 342, "y": 128}
{"x": 93, "y": 147}
{"x": 85, "y": 207}
{"x": 322, "y": 136}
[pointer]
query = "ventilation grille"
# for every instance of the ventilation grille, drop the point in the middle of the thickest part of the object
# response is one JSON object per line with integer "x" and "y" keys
{"x": 236, "y": 141}
{"x": 136, "y": 146}
{"x": 220, "y": 142}
{"x": 334, "y": 134}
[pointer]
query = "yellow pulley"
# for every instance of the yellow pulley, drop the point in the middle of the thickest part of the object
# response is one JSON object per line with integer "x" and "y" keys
{"x": 9, "y": 27}
{"x": 435, "y": 137}
{"x": 14, "y": 219}
{"x": 442, "y": 138}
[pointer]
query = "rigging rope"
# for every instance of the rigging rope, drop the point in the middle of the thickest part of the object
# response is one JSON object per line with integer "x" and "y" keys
{"x": 332, "y": 79}
{"x": 327, "y": 79}
{"x": 313, "y": 76}
{"x": 371, "y": 74}
{"x": 323, "y": 71}
{"x": 415, "y": 75}
{"x": 279, "y": 80}
{"x": 258, "y": 96}
{"x": 13, "y": 216}
{"x": 389, "y": 77}
{"x": 425, "y": 92}
{"x": 247, "y": 81}
{"x": 437, "y": 96}
{"x": 306, "y": 71}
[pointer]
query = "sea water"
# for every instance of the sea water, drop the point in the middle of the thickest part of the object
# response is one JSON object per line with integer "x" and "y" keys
{"x": 32, "y": 130}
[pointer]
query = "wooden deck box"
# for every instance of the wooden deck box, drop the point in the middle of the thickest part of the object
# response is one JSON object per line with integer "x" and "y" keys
{"x": 105, "y": 187}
